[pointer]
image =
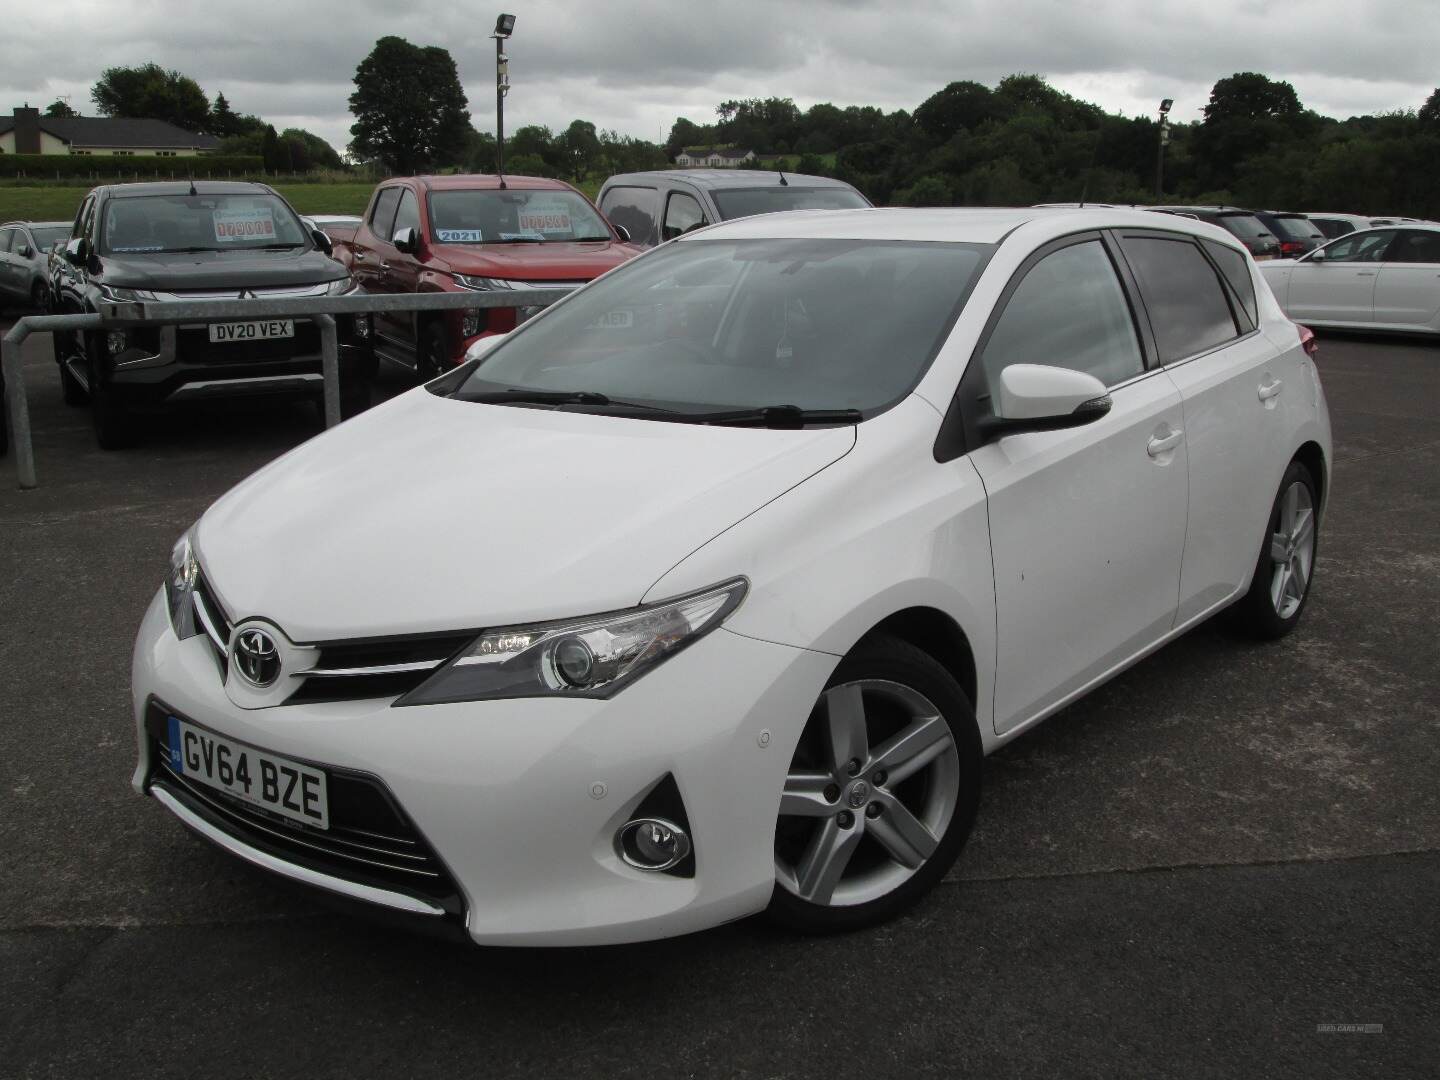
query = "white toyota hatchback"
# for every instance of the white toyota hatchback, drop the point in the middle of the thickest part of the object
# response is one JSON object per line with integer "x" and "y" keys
{"x": 707, "y": 591}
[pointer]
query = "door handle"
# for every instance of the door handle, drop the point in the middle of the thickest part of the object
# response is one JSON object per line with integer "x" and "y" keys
{"x": 1266, "y": 391}
{"x": 360, "y": 255}
{"x": 1160, "y": 444}
{"x": 384, "y": 268}
{"x": 1365, "y": 273}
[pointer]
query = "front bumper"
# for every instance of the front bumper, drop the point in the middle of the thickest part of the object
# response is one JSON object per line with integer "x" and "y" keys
{"x": 521, "y": 799}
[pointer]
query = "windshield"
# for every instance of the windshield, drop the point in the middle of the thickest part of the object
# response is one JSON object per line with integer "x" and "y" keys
{"x": 513, "y": 216}
{"x": 743, "y": 202}
{"x": 1245, "y": 226}
{"x": 703, "y": 325}
{"x": 154, "y": 224}
{"x": 45, "y": 238}
{"x": 1294, "y": 228}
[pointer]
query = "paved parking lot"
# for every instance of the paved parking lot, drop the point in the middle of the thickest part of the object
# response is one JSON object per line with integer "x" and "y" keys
{"x": 1183, "y": 875}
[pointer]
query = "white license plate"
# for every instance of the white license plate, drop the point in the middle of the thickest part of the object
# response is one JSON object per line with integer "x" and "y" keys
{"x": 252, "y": 331}
{"x": 274, "y": 783}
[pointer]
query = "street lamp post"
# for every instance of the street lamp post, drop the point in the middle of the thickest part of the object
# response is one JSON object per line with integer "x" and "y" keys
{"x": 504, "y": 27}
{"x": 1160, "y": 150}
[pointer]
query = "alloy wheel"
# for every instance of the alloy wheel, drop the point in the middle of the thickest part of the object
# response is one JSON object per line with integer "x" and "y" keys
{"x": 869, "y": 796}
{"x": 1292, "y": 550}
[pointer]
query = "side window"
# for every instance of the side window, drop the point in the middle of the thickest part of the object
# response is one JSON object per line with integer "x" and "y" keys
{"x": 1069, "y": 311}
{"x": 407, "y": 215}
{"x": 82, "y": 217}
{"x": 682, "y": 213}
{"x": 383, "y": 215}
{"x": 1183, "y": 297}
{"x": 1236, "y": 268}
{"x": 636, "y": 208}
{"x": 7, "y": 238}
{"x": 1366, "y": 246}
{"x": 1415, "y": 246}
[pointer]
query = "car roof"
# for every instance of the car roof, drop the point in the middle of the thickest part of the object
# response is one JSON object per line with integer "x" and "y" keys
{"x": 729, "y": 178}
{"x": 485, "y": 182}
{"x": 184, "y": 187}
{"x": 35, "y": 224}
{"x": 949, "y": 224}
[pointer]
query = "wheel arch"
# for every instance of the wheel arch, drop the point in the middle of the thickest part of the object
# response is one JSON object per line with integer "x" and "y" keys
{"x": 1312, "y": 456}
{"x": 938, "y": 635}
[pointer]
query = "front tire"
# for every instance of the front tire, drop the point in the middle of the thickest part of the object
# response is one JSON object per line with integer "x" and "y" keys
{"x": 40, "y": 298}
{"x": 433, "y": 354}
{"x": 881, "y": 794}
{"x": 1285, "y": 567}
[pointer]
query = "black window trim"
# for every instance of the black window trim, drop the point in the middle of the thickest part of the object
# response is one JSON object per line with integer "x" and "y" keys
{"x": 665, "y": 213}
{"x": 1400, "y": 232}
{"x": 959, "y": 431}
{"x": 388, "y": 235}
{"x": 1238, "y": 315}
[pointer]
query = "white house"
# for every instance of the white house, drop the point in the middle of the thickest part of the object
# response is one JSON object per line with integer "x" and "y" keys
{"x": 715, "y": 157}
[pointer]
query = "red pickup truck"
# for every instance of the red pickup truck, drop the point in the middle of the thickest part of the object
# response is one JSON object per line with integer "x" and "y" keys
{"x": 471, "y": 234}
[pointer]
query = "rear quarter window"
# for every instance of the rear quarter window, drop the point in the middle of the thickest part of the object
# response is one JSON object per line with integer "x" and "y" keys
{"x": 1236, "y": 268}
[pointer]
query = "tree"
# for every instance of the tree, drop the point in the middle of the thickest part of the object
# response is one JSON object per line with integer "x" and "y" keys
{"x": 581, "y": 147}
{"x": 309, "y": 151}
{"x": 961, "y": 106}
{"x": 410, "y": 110}
{"x": 685, "y": 133}
{"x": 222, "y": 122}
{"x": 151, "y": 91}
{"x": 1247, "y": 95}
{"x": 59, "y": 109}
{"x": 1430, "y": 111}
{"x": 276, "y": 158}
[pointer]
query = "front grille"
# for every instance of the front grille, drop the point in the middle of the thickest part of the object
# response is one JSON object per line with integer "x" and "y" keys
{"x": 386, "y": 667}
{"x": 193, "y": 346}
{"x": 212, "y": 619}
{"x": 370, "y": 841}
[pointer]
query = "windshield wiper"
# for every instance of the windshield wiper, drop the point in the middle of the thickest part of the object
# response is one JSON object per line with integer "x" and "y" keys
{"x": 777, "y": 416}
{"x": 589, "y": 239}
{"x": 271, "y": 247}
{"x": 519, "y": 240}
{"x": 520, "y": 396}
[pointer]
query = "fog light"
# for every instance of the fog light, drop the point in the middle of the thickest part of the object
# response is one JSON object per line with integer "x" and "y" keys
{"x": 470, "y": 325}
{"x": 362, "y": 327}
{"x": 652, "y": 844}
{"x": 117, "y": 341}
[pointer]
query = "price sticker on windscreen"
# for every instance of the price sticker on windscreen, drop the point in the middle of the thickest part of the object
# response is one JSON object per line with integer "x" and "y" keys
{"x": 240, "y": 225}
{"x": 546, "y": 218}
{"x": 459, "y": 236}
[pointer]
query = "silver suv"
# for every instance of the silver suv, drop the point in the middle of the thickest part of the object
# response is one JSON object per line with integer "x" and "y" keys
{"x": 24, "y": 254}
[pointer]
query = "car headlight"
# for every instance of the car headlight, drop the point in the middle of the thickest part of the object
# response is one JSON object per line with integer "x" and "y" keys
{"x": 593, "y": 658}
{"x": 117, "y": 295}
{"x": 180, "y": 588}
{"x": 482, "y": 284}
{"x": 340, "y": 286}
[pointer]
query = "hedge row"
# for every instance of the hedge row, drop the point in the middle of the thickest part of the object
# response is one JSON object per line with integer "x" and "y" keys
{"x": 42, "y": 167}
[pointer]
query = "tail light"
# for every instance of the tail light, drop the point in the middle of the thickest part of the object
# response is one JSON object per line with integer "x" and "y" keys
{"x": 1291, "y": 247}
{"x": 1307, "y": 340}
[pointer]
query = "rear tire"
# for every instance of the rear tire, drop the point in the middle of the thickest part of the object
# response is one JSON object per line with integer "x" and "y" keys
{"x": 1285, "y": 568}
{"x": 116, "y": 427}
{"x": 896, "y": 813}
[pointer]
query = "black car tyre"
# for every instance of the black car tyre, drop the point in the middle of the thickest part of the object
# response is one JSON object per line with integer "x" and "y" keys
{"x": 1285, "y": 567}
{"x": 40, "y": 298}
{"x": 432, "y": 354}
{"x": 881, "y": 793}
{"x": 115, "y": 426}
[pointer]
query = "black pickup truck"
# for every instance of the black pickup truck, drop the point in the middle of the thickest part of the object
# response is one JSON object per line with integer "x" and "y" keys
{"x": 206, "y": 240}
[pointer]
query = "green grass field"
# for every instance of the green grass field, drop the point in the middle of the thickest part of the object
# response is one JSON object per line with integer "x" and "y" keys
{"x": 58, "y": 203}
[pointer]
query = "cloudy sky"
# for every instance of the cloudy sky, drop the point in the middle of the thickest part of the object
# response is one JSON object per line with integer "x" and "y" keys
{"x": 635, "y": 65}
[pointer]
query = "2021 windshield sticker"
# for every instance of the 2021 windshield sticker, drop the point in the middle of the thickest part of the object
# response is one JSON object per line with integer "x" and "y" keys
{"x": 241, "y": 225}
{"x": 460, "y": 236}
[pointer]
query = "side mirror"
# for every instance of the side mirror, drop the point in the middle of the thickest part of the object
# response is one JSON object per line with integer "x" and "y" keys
{"x": 483, "y": 346}
{"x": 405, "y": 240}
{"x": 322, "y": 241}
{"x": 25, "y": 251}
{"x": 77, "y": 251}
{"x": 1037, "y": 397}
{"x": 622, "y": 232}
{"x": 1317, "y": 256}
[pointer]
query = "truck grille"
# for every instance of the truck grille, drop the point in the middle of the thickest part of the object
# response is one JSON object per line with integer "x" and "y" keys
{"x": 370, "y": 841}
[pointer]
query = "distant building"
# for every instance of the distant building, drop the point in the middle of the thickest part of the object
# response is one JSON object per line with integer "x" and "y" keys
{"x": 27, "y": 132}
{"x": 714, "y": 157}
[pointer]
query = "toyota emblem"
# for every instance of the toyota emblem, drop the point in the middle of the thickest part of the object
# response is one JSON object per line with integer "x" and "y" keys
{"x": 256, "y": 657}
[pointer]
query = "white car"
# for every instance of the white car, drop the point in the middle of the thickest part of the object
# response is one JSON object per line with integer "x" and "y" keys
{"x": 707, "y": 591}
{"x": 1334, "y": 225}
{"x": 1376, "y": 279}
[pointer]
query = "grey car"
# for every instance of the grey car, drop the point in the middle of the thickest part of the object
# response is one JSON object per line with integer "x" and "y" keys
{"x": 24, "y": 257}
{"x": 653, "y": 207}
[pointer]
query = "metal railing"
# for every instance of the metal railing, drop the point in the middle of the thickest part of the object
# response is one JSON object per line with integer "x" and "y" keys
{"x": 322, "y": 310}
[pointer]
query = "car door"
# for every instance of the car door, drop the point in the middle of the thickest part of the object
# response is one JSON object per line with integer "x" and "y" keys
{"x": 1407, "y": 289}
{"x": 1339, "y": 288}
{"x": 373, "y": 250}
{"x": 1199, "y": 299}
{"x": 1087, "y": 524}
{"x": 9, "y": 271}
{"x": 400, "y": 270}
